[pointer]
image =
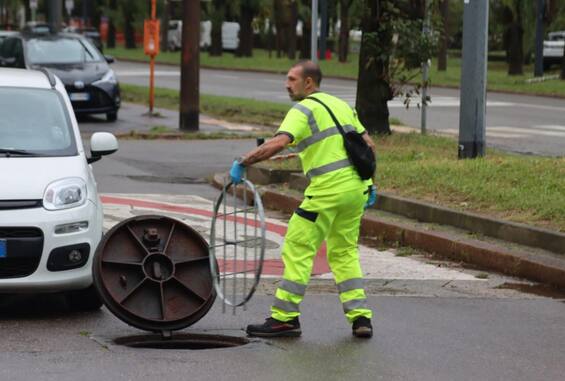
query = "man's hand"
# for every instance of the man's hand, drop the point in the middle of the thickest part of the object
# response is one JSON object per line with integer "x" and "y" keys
{"x": 236, "y": 172}
{"x": 372, "y": 197}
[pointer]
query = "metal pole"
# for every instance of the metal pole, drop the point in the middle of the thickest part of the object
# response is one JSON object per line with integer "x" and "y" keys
{"x": 538, "y": 69}
{"x": 324, "y": 27}
{"x": 152, "y": 64}
{"x": 190, "y": 66}
{"x": 425, "y": 72}
{"x": 314, "y": 36}
{"x": 472, "y": 113}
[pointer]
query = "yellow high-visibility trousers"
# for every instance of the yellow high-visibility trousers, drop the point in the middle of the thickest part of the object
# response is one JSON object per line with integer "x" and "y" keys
{"x": 335, "y": 218}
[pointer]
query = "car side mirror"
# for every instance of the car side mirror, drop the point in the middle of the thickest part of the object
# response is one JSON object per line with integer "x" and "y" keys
{"x": 109, "y": 59}
{"x": 101, "y": 144}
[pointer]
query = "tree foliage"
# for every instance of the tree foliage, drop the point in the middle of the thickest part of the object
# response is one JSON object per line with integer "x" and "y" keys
{"x": 392, "y": 50}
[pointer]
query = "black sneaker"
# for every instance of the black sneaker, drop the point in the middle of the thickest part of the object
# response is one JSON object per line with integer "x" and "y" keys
{"x": 362, "y": 327}
{"x": 275, "y": 328}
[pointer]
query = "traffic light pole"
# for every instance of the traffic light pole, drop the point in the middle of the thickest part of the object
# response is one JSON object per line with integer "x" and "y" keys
{"x": 472, "y": 112}
{"x": 314, "y": 36}
{"x": 190, "y": 67}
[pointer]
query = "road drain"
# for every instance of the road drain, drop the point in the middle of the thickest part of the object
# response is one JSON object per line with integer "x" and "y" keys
{"x": 181, "y": 341}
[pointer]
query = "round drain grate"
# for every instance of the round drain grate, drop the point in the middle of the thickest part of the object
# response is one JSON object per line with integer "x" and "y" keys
{"x": 182, "y": 341}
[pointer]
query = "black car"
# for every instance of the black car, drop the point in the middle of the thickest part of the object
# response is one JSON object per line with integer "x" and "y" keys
{"x": 90, "y": 83}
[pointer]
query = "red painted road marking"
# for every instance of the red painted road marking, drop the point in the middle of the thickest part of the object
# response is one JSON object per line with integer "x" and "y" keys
{"x": 270, "y": 266}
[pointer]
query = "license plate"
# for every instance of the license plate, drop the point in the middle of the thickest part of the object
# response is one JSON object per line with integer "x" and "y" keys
{"x": 79, "y": 96}
{"x": 3, "y": 248}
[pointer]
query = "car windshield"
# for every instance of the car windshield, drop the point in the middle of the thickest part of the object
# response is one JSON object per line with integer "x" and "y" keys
{"x": 61, "y": 51}
{"x": 46, "y": 131}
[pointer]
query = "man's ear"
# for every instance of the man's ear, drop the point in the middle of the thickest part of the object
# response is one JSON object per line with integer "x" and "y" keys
{"x": 309, "y": 82}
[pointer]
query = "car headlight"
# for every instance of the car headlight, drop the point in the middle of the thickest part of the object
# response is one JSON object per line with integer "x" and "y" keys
{"x": 65, "y": 194}
{"x": 108, "y": 77}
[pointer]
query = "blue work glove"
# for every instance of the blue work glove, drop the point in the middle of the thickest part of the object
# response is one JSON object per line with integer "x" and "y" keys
{"x": 236, "y": 172}
{"x": 372, "y": 197}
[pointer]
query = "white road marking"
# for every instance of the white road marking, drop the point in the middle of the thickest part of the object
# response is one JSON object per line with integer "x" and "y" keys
{"x": 376, "y": 264}
{"x": 513, "y": 132}
{"x": 145, "y": 73}
{"x": 526, "y": 131}
{"x": 550, "y": 127}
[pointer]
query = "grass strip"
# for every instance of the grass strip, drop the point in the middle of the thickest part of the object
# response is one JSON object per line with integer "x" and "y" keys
{"x": 525, "y": 189}
{"x": 498, "y": 79}
{"x": 236, "y": 110}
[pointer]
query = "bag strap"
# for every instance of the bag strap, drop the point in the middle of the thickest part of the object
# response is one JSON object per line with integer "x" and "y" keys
{"x": 331, "y": 114}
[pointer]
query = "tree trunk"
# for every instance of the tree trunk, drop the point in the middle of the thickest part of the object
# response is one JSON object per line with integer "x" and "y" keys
{"x": 245, "y": 48}
{"x": 442, "y": 48}
{"x": 165, "y": 25}
{"x": 279, "y": 13}
{"x": 129, "y": 30}
{"x": 562, "y": 76}
{"x": 292, "y": 29}
{"x": 111, "y": 38}
{"x": 373, "y": 89}
{"x": 343, "y": 48}
{"x": 306, "y": 40}
{"x": 515, "y": 51}
{"x": 216, "y": 48}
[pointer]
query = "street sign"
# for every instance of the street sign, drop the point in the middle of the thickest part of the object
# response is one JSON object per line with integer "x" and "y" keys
{"x": 151, "y": 37}
{"x": 33, "y": 4}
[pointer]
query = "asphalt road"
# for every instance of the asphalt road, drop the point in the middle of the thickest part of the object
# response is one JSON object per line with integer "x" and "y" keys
{"x": 517, "y": 123}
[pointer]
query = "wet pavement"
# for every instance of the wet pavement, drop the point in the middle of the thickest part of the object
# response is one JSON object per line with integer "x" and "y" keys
{"x": 434, "y": 320}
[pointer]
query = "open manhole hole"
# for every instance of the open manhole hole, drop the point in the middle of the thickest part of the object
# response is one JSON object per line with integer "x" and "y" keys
{"x": 182, "y": 341}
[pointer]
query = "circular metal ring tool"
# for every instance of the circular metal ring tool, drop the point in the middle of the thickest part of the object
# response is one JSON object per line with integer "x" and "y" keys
{"x": 153, "y": 272}
{"x": 237, "y": 243}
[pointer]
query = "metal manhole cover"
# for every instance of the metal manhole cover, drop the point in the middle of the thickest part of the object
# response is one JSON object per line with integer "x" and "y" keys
{"x": 153, "y": 272}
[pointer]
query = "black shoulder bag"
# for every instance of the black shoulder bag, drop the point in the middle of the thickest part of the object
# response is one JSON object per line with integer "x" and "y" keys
{"x": 360, "y": 154}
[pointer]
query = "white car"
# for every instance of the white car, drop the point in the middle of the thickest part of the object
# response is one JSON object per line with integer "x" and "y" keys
{"x": 50, "y": 212}
{"x": 553, "y": 49}
{"x": 230, "y": 35}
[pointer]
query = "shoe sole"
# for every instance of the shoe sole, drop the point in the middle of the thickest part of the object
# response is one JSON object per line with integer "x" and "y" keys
{"x": 293, "y": 333}
{"x": 363, "y": 332}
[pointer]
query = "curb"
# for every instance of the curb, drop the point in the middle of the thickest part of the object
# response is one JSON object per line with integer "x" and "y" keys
{"x": 539, "y": 268}
{"x": 425, "y": 212}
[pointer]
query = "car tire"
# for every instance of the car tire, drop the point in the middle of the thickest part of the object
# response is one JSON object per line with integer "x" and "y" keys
{"x": 112, "y": 116}
{"x": 84, "y": 300}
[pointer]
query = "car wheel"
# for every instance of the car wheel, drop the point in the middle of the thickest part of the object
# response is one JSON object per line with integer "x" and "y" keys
{"x": 112, "y": 116}
{"x": 84, "y": 300}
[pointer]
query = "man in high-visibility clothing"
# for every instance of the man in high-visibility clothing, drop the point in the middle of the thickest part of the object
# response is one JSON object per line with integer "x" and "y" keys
{"x": 332, "y": 208}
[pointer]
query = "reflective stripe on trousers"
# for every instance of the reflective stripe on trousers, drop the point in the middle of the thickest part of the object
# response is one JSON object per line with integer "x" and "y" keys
{"x": 334, "y": 218}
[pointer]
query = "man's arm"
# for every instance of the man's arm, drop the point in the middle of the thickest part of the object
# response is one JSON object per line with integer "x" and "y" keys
{"x": 266, "y": 150}
{"x": 370, "y": 142}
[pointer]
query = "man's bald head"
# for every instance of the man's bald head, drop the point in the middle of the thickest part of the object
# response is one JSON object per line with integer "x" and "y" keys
{"x": 303, "y": 79}
{"x": 310, "y": 69}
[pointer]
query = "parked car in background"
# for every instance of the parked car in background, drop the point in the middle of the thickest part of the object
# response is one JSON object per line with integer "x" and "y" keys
{"x": 5, "y": 34}
{"x": 50, "y": 212}
{"x": 553, "y": 49}
{"x": 230, "y": 35}
{"x": 91, "y": 33}
{"x": 91, "y": 84}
